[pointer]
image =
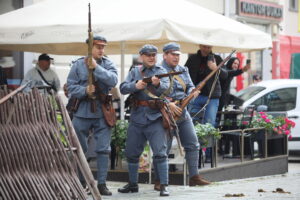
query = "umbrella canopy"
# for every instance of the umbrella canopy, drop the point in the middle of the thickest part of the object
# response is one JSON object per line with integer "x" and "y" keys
{"x": 60, "y": 27}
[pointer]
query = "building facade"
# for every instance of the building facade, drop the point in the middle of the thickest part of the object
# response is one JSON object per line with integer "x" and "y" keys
{"x": 287, "y": 46}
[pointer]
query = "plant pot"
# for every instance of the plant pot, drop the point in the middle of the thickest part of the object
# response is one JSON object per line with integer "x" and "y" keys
{"x": 206, "y": 141}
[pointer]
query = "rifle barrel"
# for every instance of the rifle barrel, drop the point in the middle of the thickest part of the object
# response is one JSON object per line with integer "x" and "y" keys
{"x": 187, "y": 100}
{"x": 148, "y": 79}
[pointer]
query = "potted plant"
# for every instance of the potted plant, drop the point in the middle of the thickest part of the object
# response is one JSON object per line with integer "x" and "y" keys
{"x": 206, "y": 133}
{"x": 118, "y": 138}
{"x": 274, "y": 125}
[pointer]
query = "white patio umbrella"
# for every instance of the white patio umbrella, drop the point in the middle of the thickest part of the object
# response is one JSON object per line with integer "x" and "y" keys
{"x": 60, "y": 27}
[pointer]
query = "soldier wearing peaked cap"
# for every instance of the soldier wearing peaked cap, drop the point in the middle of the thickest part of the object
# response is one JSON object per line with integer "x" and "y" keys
{"x": 182, "y": 87}
{"x": 85, "y": 119}
{"x": 146, "y": 119}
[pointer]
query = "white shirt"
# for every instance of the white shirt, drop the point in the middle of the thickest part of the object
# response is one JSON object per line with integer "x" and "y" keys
{"x": 50, "y": 76}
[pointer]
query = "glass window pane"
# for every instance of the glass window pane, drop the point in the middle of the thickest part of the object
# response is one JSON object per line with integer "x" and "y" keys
{"x": 279, "y": 100}
{"x": 249, "y": 92}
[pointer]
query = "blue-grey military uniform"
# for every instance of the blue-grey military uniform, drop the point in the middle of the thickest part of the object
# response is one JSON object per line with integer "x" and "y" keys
{"x": 185, "y": 125}
{"x": 145, "y": 123}
{"x": 84, "y": 119}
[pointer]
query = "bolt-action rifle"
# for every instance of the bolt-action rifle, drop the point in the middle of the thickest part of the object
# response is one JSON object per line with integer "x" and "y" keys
{"x": 148, "y": 79}
{"x": 91, "y": 78}
{"x": 199, "y": 87}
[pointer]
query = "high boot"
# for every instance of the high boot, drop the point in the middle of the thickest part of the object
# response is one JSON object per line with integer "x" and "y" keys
{"x": 192, "y": 159}
{"x": 197, "y": 180}
{"x": 102, "y": 166}
{"x": 157, "y": 185}
{"x": 104, "y": 190}
{"x": 156, "y": 178}
{"x": 164, "y": 191}
{"x": 130, "y": 187}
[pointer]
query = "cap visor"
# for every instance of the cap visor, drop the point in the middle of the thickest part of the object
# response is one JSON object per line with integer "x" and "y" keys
{"x": 176, "y": 52}
{"x": 99, "y": 42}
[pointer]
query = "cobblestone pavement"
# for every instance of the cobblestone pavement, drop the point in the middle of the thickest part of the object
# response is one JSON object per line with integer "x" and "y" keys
{"x": 289, "y": 182}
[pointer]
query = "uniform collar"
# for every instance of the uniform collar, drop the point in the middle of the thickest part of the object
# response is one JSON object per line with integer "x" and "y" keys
{"x": 99, "y": 61}
{"x": 168, "y": 67}
{"x": 144, "y": 68}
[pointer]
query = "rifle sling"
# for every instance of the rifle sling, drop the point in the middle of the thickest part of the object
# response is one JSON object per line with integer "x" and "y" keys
{"x": 181, "y": 82}
{"x": 49, "y": 84}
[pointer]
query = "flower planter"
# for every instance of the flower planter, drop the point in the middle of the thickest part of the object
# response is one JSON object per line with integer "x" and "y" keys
{"x": 206, "y": 141}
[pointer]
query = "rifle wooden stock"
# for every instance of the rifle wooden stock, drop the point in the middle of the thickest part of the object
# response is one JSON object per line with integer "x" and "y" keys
{"x": 90, "y": 55}
{"x": 187, "y": 100}
{"x": 148, "y": 79}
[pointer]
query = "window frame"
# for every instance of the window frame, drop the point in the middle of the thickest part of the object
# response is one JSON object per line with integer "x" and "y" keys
{"x": 293, "y": 5}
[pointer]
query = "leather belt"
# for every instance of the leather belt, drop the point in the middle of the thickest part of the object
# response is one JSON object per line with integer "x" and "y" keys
{"x": 153, "y": 104}
{"x": 142, "y": 103}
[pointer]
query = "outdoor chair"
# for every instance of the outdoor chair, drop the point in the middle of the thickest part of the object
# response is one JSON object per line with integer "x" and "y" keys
{"x": 249, "y": 136}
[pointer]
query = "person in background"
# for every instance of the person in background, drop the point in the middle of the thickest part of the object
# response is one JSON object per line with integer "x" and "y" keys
{"x": 3, "y": 80}
{"x": 256, "y": 78}
{"x": 42, "y": 74}
{"x": 233, "y": 69}
{"x": 85, "y": 118}
{"x": 200, "y": 65}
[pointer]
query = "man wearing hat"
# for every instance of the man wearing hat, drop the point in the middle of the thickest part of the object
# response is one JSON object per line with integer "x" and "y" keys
{"x": 146, "y": 119}
{"x": 42, "y": 74}
{"x": 182, "y": 87}
{"x": 85, "y": 118}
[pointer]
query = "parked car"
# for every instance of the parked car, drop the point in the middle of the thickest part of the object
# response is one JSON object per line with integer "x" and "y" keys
{"x": 280, "y": 95}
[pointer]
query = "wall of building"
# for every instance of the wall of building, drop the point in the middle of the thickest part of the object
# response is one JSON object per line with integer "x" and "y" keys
{"x": 290, "y": 24}
{"x": 214, "y": 5}
{"x": 288, "y": 42}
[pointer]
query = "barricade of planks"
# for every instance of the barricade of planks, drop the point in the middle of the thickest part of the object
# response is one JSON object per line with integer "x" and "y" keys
{"x": 34, "y": 162}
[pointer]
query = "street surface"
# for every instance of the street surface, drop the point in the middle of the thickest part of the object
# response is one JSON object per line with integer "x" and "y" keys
{"x": 289, "y": 182}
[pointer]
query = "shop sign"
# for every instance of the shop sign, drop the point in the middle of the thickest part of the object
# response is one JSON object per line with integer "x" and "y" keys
{"x": 261, "y": 10}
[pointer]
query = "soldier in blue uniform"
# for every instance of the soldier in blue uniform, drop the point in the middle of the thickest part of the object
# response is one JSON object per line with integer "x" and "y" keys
{"x": 182, "y": 86}
{"x": 85, "y": 119}
{"x": 146, "y": 119}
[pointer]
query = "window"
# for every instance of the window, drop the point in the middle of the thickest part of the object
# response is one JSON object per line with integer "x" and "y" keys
{"x": 293, "y": 5}
{"x": 279, "y": 100}
{"x": 249, "y": 92}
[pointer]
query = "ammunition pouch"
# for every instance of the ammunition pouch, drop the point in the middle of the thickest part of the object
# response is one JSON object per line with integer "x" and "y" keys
{"x": 108, "y": 110}
{"x": 73, "y": 104}
{"x": 166, "y": 118}
{"x": 159, "y": 105}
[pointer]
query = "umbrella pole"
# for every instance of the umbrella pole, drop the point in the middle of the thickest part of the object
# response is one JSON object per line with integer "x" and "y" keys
{"x": 122, "y": 116}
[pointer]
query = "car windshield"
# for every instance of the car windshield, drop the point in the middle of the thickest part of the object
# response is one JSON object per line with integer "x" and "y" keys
{"x": 249, "y": 92}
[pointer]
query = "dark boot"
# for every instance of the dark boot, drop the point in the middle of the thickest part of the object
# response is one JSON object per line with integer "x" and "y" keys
{"x": 197, "y": 180}
{"x": 164, "y": 191}
{"x": 157, "y": 185}
{"x": 104, "y": 190}
{"x": 130, "y": 187}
